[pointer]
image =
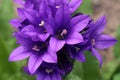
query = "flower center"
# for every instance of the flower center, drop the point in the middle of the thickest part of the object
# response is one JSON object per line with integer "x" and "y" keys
{"x": 57, "y": 7}
{"x": 36, "y": 48}
{"x": 42, "y": 23}
{"x": 61, "y": 34}
{"x": 41, "y": 47}
{"x": 77, "y": 49}
{"x": 49, "y": 70}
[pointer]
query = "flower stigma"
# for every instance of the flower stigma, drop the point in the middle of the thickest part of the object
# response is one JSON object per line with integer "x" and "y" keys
{"x": 49, "y": 70}
{"x": 57, "y": 7}
{"x": 42, "y": 23}
{"x": 36, "y": 48}
{"x": 61, "y": 34}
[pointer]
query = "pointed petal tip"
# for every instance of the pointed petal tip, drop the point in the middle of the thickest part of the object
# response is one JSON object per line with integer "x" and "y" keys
{"x": 18, "y": 54}
{"x": 50, "y": 58}
{"x": 98, "y": 56}
{"x": 56, "y": 44}
{"x": 34, "y": 62}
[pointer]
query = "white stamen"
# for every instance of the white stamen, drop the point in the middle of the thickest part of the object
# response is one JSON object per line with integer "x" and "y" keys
{"x": 64, "y": 31}
{"x": 42, "y": 23}
{"x": 49, "y": 70}
{"x": 57, "y": 7}
{"x": 36, "y": 48}
{"x": 77, "y": 49}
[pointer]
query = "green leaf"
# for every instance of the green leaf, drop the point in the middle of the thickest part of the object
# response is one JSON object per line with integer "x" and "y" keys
{"x": 109, "y": 69}
{"x": 78, "y": 69}
{"x": 72, "y": 77}
{"x": 88, "y": 70}
{"x": 86, "y": 7}
{"x": 117, "y": 77}
{"x": 6, "y": 67}
{"x": 117, "y": 46}
{"x": 91, "y": 68}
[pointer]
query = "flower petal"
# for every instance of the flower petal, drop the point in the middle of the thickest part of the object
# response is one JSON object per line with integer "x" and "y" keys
{"x": 29, "y": 28}
{"x": 99, "y": 25}
{"x": 21, "y": 13}
{"x": 78, "y": 23}
{"x": 34, "y": 63}
{"x": 41, "y": 75}
{"x": 43, "y": 37}
{"x": 15, "y": 23}
{"x": 19, "y": 2}
{"x": 74, "y": 5}
{"x": 56, "y": 44}
{"x": 104, "y": 41}
{"x": 80, "y": 57}
{"x": 30, "y": 31}
{"x": 31, "y": 15}
{"x": 50, "y": 25}
{"x": 59, "y": 16}
{"x": 47, "y": 77}
{"x": 19, "y": 54}
{"x": 50, "y": 56}
{"x": 56, "y": 76}
{"x": 74, "y": 38}
{"x": 97, "y": 55}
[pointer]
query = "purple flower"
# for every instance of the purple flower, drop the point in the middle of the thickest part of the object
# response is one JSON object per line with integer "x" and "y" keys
{"x": 37, "y": 51}
{"x": 65, "y": 29}
{"x": 77, "y": 51}
{"x": 54, "y": 71}
{"x": 53, "y": 39}
{"x": 47, "y": 72}
{"x": 31, "y": 24}
{"x": 99, "y": 40}
{"x": 73, "y": 5}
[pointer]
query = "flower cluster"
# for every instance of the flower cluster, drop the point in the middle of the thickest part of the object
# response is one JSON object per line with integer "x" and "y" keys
{"x": 52, "y": 37}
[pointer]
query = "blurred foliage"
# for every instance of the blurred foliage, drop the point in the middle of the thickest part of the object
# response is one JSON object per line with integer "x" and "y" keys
{"x": 82, "y": 71}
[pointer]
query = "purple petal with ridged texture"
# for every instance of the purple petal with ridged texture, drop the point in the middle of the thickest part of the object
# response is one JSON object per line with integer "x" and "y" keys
{"x": 104, "y": 41}
{"x": 43, "y": 37}
{"x": 31, "y": 15}
{"x": 21, "y": 13}
{"x": 59, "y": 17}
{"x": 19, "y": 54}
{"x": 29, "y": 3}
{"x": 99, "y": 25}
{"x": 47, "y": 77}
{"x": 78, "y": 23}
{"x": 97, "y": 55}
{"x": 74, "y": 5}
{"x": 80, "y": 57}
{"x": 56, "y": 76}
{"x": 34, "y": 62}
{"x": 19, "y": 2}
{"x": 74, "y": 38}
{"x": 15, "y": 23}
{"x": 29, "y": 28}
{"x": 41, "y": 76}
{"x": 56, "y": 44}
{"x": 50, "y": 25}
{"x": 25, "y": 68}
{"x": 30, "y": 31}
{"x": 66, "y": 1}
{"x": 50, "y": 56}
{"x": 21, "y": 40}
